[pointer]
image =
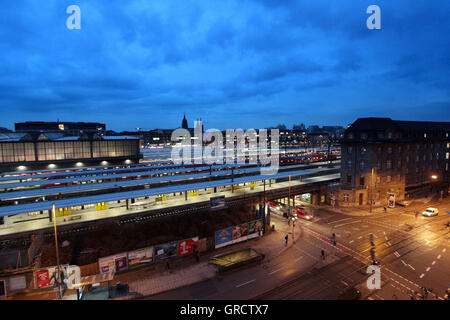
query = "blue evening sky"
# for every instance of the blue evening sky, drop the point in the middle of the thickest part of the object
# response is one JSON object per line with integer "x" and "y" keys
{"x": 248, "y": 64}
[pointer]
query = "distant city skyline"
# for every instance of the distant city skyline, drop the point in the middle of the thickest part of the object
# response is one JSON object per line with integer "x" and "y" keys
{"x": 251, "y": 64}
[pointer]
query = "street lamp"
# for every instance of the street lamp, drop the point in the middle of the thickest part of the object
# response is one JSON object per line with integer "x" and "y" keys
{"x": 58, "y": 274}
{"x": 434, "y": 177}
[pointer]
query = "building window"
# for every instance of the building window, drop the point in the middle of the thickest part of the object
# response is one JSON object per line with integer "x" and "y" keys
{"x": 398, "y": 177}
{"x": 350, "y": 135}
{"x": 407, "y": 158}
{"x": 389, "y": 164}
{"x": 378, "y": 180}
{"x": 389, "y": 135}
{"x": 349, "y": 179}
{"x": 364, "y": 135}
{"x": 399, "y": 164}
{"x": 447, "y": 155}
{"x": 349, "y": 163}
{"x": 379, "y": 165}
{"x": 361, "y": 181}
{"x": 346, "y": 197}
{"x": 417, "y": 158}
{"x": 448, "y": 145}
{"x": 363, "y": 150}
{"x": 390, "y": 150}
{"x": 349, "y": 149}
{"x": 388, "y": 179}
{"x": 361, "y": 165}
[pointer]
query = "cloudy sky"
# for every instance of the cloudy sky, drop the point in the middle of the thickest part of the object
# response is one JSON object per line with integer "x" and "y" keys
{"x": 143, "y": 63}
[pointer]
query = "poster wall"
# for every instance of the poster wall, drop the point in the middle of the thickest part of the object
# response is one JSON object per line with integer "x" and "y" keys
{"x": 186, "y": 247}
{"x": 240, "y": 232}
{"x": 139, "y": 257}
{"x": 166, "y": 250}
{"x": 224, "y": 237}
{"x": 255, "y": 228}
{"x": 115, "y": 263}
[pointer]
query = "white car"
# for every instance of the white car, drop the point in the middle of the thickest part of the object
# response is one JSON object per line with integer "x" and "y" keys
{"x": 430, "y": 212}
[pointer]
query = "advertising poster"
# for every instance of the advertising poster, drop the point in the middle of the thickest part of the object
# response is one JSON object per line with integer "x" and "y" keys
{"x": 140, "y": 257}
{"x": 166, "y": 250}
{"x": 253, "y": 228}
{"x": 43, "y": 278}
{"x": 217, "y": 202}
{"x": 185, "y": 247}
{"x": 240, "y": 232}
{"x": 115, "y": 263}
{"x": 224, "y": 237}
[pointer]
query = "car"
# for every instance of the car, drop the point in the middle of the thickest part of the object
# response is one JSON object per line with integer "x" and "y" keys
{"x": 350, "y": 294}
{"x": 429, "y": 212}
{"x": 301, "y": 212}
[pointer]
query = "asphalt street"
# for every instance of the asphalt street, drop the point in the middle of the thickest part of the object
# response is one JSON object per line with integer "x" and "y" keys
{"x": 413, "y": 254}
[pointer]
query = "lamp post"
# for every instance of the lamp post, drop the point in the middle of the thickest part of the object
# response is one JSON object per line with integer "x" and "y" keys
{"x": 58, "y": 275}
{"x": 371, "y": 191}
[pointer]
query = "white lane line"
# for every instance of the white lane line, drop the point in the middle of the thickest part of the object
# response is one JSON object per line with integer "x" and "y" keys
{"x": 443, "y": 250}
{"x": 245, "y": 283}
{"x": 386, "y": 245}
{"x": 433, "y": 262}
{"x": 428, "y": 269}
{"x": 384, "y": 232}
{"x": 411, "y": 267}
{"x": 370, "y": 298}
{"x": 344, "y": 282}
{"x": 277, "y": 270}
{"x": 339, "y": 220}
{"x": 344, "y": 224}
{"x": 439, "y": 256}
{"x": 356, "y": 229}
{"x": 301, "y": 257}
{"x": 365, "y": 250}
{"x": 404, "y": 263}
{"x": 389, "y": 243}
{"x": 360, "y": 237}
{"x": 396, "y": 254}
{"x": 351, "y": 241}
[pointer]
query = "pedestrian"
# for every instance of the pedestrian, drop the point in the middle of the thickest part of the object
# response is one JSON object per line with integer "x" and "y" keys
{"x": 323, "y": 255}
{"x": 384, "y": 208}
{"x": 394, "y": 296}
{"x": 167, "y": 264}
{"x": 286, "y": 238}
{"x": 416, "y": 214}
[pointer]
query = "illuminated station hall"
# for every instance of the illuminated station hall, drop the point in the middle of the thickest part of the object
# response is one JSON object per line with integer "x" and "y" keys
{"x": 92, "y": 177}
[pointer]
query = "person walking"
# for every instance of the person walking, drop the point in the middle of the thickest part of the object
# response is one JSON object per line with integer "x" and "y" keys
{"x": 323, "y": 255}
{"x": 286, "y": 238}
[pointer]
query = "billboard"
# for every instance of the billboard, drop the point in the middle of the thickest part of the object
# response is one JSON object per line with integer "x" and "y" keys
{"x": 224, "y": 237}
{"x": 254, "y": 228}
{"x": 217, "y": 202}
{"x": 115, "y": 263}
{"x": 46, "y": 277}
{"x": 140, "y": 257}
{"x": 166, "y": 250}
{"x": 185, "y": 247}
{"x": 240, "y": 232}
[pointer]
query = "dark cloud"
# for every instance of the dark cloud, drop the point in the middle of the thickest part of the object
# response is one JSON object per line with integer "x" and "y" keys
{"x": 141, "y": 63}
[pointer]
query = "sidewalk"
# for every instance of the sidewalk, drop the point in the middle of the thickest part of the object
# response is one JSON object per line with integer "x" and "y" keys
{"x": 361, "y": 211}
{"x": 187, "y": 271}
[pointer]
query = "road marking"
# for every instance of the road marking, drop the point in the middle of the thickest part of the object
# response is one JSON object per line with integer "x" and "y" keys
{"x": 404, "y": 263}
{"x": 443, "y": 250}
{"x": 411, "y": 267}
{"x": 384, "y": 232}
{"x": 428, "y": 269}
{"x": 351, "y": 241}
{"x": 243, "y": 284}
{"x": 439, "y": 256}
{"x": 389, "y": 243}
{"x": 277, "y": 270}
{"x": 396, "y": 254}
{"x": 365, "y": 250}
{"x": 339, "y": 220}
{"x": 344, "y": 282}
{"x": 370, "y": 298}
{"x": 360, "y": 237}
{"x": 301, "y": 257}
{"x": 433, "y": 262}
{"x": 344, "y": 224}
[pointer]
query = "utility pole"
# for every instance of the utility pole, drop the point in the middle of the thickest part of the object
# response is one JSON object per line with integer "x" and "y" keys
{"x": 58, "y": 275}
{"x": 289, "y": 198}
{"x": 371, "y": 191}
